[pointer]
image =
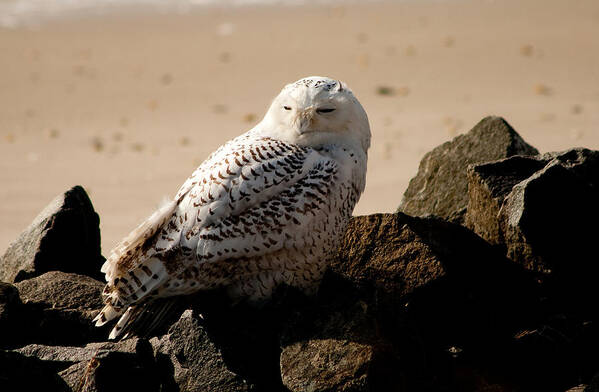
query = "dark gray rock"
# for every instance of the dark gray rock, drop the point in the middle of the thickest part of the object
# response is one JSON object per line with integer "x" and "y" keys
{"x": 125, "y": 365}
{"x": 488, "y": 185}
{"x": 61, "y": 290}
{"x": 57, "y": 308}
{"x": 540, "y": 210}
{"x": 11, "y": 308}
{"x": 547, "y": 220}
{"x": 326, "y": 365}
{"x": 382, "y": 249}
{"x": 198, "y": 363}
{"x": 401, "y": 292}
{"x": 22, "y": 373}
{"x": 440, "y": 187}
{"x": 65, "y": 236}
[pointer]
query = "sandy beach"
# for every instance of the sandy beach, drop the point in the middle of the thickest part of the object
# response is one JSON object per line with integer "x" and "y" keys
{"x": 128, "y": 104}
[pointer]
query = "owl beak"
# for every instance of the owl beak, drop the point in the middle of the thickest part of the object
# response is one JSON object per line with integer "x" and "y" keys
{"x": 304, "y": 120}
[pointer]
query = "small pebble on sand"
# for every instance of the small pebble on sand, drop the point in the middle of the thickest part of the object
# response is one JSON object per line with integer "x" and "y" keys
{"x": 449, "y": 41}
{"x": 411, "y": 50}
{"x": 576, "y": 109}
{"x": 166, "y": 79}
{"x": 53, "y": 133}
{"x": 9, "y": 138}
{"x": 526, "y": 50}
{"x": 250, "y": 118}
{"x": 362, "y": 37}
{"x": 137, "y": 147}
{"x": 542, "y": 89}
{"x": 123, "y": 121}
{"x": 152, "y": 105}
{"x": 224, "y": 57}
{"x": 219, "y": 108}
{"x": 385, "y": 90}
{"x": 184, "y": 141}
{"x": 97, "y": 144}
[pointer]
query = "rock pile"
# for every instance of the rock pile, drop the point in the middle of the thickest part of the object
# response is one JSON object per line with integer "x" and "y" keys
{"x": 484, "y": 280}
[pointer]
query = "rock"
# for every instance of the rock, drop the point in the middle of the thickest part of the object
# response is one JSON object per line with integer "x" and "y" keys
{"x": 326, "y": 365}
{"x": 61, "y": 290}
{"x": 198, "y": 364}
{"x": 440, "y": 187}
{"x": 540, "y": 211}
{"x": 336, "y": 345}
{"x": 383, "y": 250}
{"x": 126, "y": 365}
{"x": 22, "y": 373}
{"x": 11, "y": 308}
{"x": 58, "y": 309}
{"x": 402, "y": 291}
{"x": 488, "y": 185}
{"x": 65, "y": 236}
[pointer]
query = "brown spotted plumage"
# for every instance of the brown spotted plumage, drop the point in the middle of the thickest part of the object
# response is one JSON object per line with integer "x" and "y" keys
{"x": 266, "y": 208}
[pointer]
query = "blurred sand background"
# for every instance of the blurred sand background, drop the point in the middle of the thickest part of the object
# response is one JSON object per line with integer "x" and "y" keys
{"x": 129, "y": 103}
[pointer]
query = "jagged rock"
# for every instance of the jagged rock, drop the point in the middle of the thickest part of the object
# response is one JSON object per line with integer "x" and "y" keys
{"x": 57, "y": 309}
{"x": 10, "y": 313}
{"x": 540, "y": 210}
{"x": 382, "y": 249}
{"x": 326, "y": 365}
{"x": 440, "y": 187}
{"x": 336, "y": 344}
{"x": 21, "y": 373}
{"x": 65, "y": 236}
{"x": 125, "y": 365}
{"x": 401, "y": 292}
{"x": 198, "y": 364}
{"x": 488, "y": 185}
{"x": 61, "y": 290}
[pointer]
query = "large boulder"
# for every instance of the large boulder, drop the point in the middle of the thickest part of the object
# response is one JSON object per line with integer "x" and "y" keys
{"x": 197, "y": 362}
{"x": 65, "y": 236}
{"x": 126, "y": 365}
{"x": 55, "y": 308}
{"x": 401, "y": 292}
{"x": 540, "y": 210}
{"x": 441, "y": 187}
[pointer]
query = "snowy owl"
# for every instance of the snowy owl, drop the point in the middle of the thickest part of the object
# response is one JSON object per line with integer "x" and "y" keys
{"x": 266, "y": 208}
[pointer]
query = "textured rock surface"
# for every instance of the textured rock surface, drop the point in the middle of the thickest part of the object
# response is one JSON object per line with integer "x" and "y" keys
{"x": 540, "y": 210}
{"x": 21, "y": 373}
{"x": 547, "y": 220}
{"x": 61, "y": 290}
{"x": 54, "y": 308}
{"x": 11, "y": 320}
{"x": 441, "y": 187}
{"x": 126, "y": 365}
{"x": 65, "y": 236}
{"x": 488, "y": 185}
{"x": 326, "y": 365}
{"x": 402, "y": 291}
{"x": 198, "y": 364}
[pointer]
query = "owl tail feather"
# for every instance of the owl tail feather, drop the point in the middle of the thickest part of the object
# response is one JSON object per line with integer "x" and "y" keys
{"x": 106, "y": 314}
{"x": 145, "y": 319}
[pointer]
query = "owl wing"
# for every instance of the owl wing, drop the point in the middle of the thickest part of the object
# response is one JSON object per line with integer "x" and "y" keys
{"x": 253, "y": 196}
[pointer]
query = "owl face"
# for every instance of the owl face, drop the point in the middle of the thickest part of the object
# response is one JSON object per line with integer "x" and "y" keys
{"x": 317, "y": 110}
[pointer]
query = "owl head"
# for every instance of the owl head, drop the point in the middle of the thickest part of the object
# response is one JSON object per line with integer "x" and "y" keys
{"x": 317, "y": 110}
